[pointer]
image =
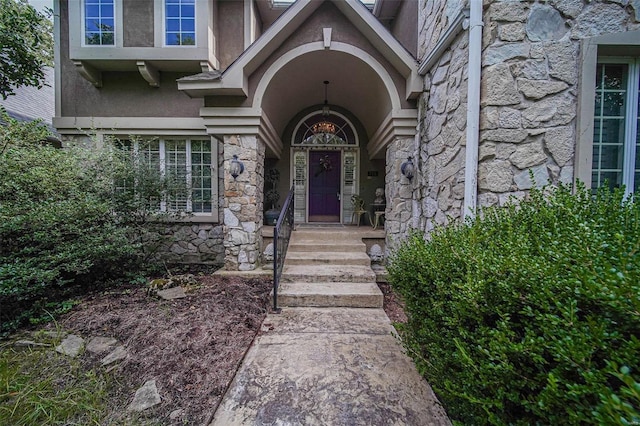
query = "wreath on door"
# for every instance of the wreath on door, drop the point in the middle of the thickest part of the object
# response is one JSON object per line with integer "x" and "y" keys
{"x": 324, "y": 166}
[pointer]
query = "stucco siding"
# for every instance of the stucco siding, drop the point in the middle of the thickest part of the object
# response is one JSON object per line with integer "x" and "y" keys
{"x": 405, "y": 26}
{"x": 230, "y": 31}
{"x": 126, "y": 94}
{"x": 138, "y": 25}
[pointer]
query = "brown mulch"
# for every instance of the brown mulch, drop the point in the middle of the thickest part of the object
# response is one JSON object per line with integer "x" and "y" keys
{"x": 192, "y": 347}
{"x": 392, "y": 304}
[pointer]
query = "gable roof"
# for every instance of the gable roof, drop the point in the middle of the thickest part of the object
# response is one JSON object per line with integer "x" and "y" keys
{"x": 234, "y": 80}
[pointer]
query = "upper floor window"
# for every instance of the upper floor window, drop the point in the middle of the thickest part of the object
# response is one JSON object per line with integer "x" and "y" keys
{"x": 180, "y": 23}
{"x": 616, "y": 138}
{"x": 99, "y": 22}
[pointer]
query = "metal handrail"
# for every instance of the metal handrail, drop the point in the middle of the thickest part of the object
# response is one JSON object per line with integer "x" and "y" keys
{"x": 281, "y": 237}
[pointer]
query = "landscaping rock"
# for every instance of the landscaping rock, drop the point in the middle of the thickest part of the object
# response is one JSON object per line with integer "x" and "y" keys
{"x": 71, "y": 346}
{"x": 146, "y": 397}
{"x": 100, "y": 344}
{"x": 119, "y": 353}
{"x": 172, "y": 293}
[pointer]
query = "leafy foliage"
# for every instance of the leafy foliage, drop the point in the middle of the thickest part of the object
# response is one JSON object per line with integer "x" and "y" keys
{"x": 524, "y": 315}
{"x": 65, "y": 225}
{"x": 26, "y": 46}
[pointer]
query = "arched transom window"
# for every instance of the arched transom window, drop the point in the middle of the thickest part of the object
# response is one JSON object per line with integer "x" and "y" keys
{"x": 324, "y": 129}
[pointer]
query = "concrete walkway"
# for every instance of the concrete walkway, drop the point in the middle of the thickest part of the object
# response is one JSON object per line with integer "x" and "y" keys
{"x": 331, "y": 357}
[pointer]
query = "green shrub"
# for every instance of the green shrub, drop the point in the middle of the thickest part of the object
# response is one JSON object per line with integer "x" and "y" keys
{"x": 66, "y": 223}
{"x": 523, "y": 315}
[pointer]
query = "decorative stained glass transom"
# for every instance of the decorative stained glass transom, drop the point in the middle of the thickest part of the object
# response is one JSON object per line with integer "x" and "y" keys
{"x": 319, "y": 129}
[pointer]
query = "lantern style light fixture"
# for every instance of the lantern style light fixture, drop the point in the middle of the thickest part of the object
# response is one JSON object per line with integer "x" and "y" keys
{"x": 407, "y": 168}
{"x": 236, "y": 167}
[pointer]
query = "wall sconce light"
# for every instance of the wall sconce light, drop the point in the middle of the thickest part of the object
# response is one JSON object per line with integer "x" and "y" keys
{"x": 407, "y": 168}
{"x": 236, "y": 167}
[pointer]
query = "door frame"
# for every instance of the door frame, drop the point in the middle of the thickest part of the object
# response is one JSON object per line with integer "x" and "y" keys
{"x": 342, "y": 150}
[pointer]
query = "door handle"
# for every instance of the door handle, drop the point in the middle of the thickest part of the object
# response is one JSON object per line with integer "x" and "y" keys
{"x": 338, "y": 195}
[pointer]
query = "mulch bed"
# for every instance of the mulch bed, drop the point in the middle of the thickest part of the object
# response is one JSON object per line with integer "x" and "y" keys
{"x": 192, "y": 347}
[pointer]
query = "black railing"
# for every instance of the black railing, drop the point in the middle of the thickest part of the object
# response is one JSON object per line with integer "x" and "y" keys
{"x": 281, "y": 237}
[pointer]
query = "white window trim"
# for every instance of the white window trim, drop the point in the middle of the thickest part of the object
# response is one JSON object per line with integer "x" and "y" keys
{"x": 162, "y": 37}
{"x": 213, "y": 215}
{"x": 117, "y": 24}
{"x": 587, "y": 93}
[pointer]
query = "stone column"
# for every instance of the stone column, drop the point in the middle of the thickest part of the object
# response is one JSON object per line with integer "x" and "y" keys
{"x": 399, "y": 192}
{"x": 243, "y": 201}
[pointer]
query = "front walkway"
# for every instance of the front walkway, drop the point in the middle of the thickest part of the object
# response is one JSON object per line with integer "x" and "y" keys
{"x": 331, "y": 357}
{"x": 328, "y": 366}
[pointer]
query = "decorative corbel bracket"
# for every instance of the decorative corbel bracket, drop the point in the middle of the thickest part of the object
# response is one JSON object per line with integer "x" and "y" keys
{"x": 149, "y": 73}
{"x": 89, "y": 73}
{"x": 204, "y": 65}
{"x": 326, "y": 38}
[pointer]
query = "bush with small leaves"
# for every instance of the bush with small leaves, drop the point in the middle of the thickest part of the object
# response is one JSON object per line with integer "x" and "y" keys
{"x": 522, "y": 315}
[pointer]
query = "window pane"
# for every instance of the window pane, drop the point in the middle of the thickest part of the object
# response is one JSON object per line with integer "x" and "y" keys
{"x": 173, "y": 11}
{"x": 92, "y": 11}
{"x": 173, "y": 39}
{"x": 91, "y": 26}
{"x": 188, "y": 25}
{"x": 609, "y": 124}
{"x": 106, "y": 11}
{"x": 201, "y": 176}
{"x": 107, "y": 39}
{"x": 173, "y": 25}
{"x": 188, "y": 11}
{"x": 106, "y": 24}
{"x": 613, "y": 104}
{"x": 92, "y": 38}
{"x": 612, "y": 131}
{"x": 615, "y": 76}
{"x": 611, "y": 157}
{"x": 188, "y": 39}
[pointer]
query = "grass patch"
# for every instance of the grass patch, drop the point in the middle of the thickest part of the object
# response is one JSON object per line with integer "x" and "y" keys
{"x": 40, "y": 386}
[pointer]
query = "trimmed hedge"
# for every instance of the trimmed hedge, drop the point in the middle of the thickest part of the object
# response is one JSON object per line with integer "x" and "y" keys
{"x": 529, "y": 314}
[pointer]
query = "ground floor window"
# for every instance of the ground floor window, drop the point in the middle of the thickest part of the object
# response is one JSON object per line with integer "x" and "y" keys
{"x": 187, "y": 164}
{"x": 616, "y": 135}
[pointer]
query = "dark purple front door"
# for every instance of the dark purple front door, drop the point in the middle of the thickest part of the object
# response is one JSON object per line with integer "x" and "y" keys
{"x": 324, "y": 186}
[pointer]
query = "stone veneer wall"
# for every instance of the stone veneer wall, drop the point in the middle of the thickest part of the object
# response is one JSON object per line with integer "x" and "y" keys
{"x": 443, "y": 123}
{"x": 530, "y": 70}
{"x": 399, "y": 193}
{"x": 200, "y": 243}
{"x": 243, "y": 203}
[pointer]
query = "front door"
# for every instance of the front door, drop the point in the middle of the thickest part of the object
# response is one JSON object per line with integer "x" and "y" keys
{"x": 324, "y": 186}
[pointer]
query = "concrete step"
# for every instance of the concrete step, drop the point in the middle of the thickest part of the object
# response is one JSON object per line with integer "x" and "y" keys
{"x": 352, "y": 295}
{"x": 326, "y": 246}
{"x": 328, "y": 273}
{"x": 323, "y": 258}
